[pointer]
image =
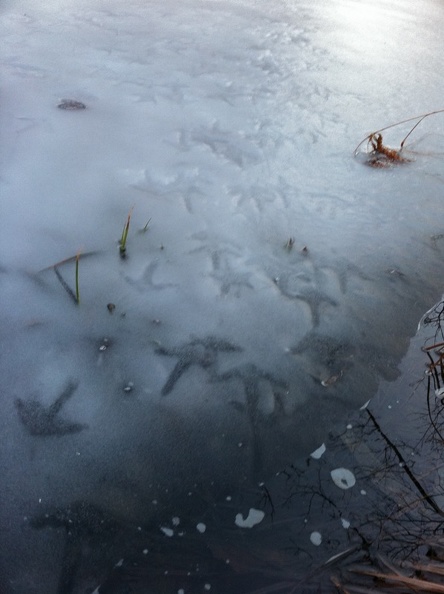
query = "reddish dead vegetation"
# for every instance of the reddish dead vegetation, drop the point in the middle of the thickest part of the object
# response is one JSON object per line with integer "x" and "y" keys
{"x": 380, "y": 156}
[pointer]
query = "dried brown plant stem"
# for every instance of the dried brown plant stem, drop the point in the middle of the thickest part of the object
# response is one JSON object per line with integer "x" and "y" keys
{"x": 420, "y": 118}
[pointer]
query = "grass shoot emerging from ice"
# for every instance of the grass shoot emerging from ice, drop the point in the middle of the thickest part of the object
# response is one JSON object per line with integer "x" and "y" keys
{"x": 77, "y": 278}
{"x": 146, "y": 226}
{"x": 74, "y": 294}
{"x": 122, "y": 240}
{"x": 379, "y": 155}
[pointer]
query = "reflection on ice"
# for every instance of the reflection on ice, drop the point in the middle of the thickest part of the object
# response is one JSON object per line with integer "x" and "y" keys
{"x": 387, "y": 526}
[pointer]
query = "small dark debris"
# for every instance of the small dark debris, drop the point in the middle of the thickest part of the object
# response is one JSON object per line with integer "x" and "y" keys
{"x": 289, "y": 243}
{"x": 332, "y": 379}
{"x": 437, "y": 236}
{"x": 379, "y": 162}
{"x": 111, "y": 307}
{"x": 71, "y": 105}
{"x": 105, "y": 343}
{"x": 395, "y": 272}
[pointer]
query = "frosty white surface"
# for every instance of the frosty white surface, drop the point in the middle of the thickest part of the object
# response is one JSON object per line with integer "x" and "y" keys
{"x": 231, "y": 126}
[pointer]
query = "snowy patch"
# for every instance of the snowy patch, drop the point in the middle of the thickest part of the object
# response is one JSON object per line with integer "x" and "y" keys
{"x": 201, "y": 527}
{"x": 167, "y": 531}
{"x": 319, "y": 452}
{"x": 316, "y": 538}
{"x": 255, "y": 516}
{"x": 343, "y": 478}
{"x": 345, "y": 523}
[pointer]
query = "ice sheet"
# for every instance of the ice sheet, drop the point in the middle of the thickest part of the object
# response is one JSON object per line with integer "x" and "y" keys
{"x": 277, "y": 280}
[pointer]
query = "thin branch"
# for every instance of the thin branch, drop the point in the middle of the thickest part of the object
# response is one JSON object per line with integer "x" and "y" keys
{"x": 410, "y": 474}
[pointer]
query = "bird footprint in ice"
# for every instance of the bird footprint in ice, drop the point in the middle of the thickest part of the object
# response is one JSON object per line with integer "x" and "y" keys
{"x": 251, "y": 378}
{"x": 80, "y": 519}
{"x": 200, "y": 351}
{"x": 87, "y": 527}
{"x": 43, "y": 420}
{"x": 329, "y": 356}
{"x": 314, "y": 297}
{"x": 222, "y": 255}
{"x": 147, "y": 279}
{"x": 231, "y": 280}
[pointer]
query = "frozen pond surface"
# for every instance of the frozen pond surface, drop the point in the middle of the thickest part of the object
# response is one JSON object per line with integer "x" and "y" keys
{"x": 278, "y": 279}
